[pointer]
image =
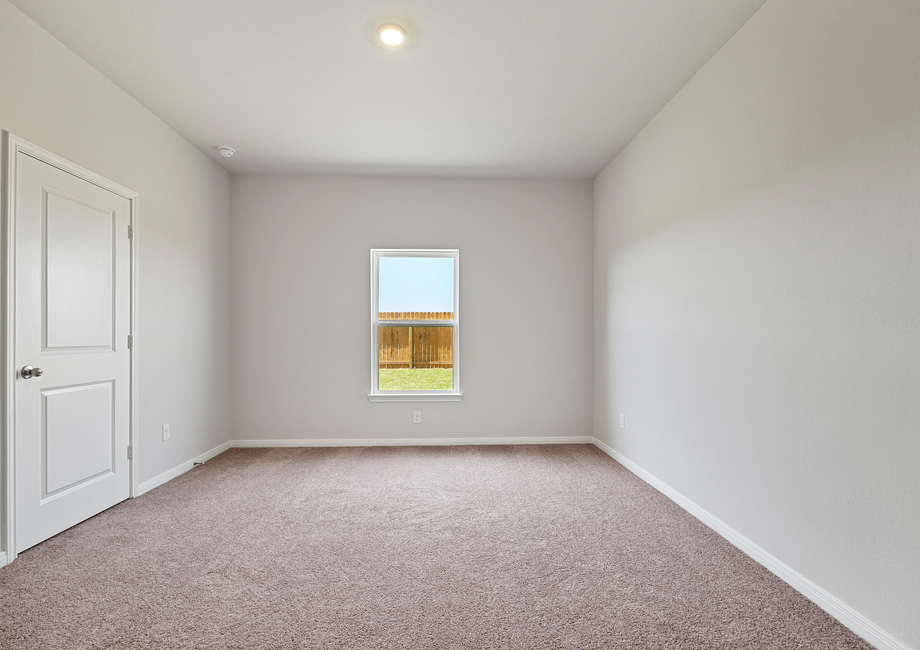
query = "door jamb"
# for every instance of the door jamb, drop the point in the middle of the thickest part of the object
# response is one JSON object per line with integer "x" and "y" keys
{"x": 12, "y": 145}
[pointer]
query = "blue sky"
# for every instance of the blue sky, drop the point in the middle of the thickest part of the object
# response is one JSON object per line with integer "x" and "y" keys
{"x": 416, "y": 284}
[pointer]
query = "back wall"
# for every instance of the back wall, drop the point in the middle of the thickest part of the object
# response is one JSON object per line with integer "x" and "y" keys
{"x": 301, "y": 304}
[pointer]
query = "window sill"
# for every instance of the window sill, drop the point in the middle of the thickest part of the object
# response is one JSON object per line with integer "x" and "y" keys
{"x": 415, "y": 397}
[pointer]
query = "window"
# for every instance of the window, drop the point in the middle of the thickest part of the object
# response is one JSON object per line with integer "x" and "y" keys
{"x": 415, "y": 326}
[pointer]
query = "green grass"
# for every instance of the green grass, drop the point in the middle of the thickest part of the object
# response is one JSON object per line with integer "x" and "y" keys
{"x": 416, "y": 378}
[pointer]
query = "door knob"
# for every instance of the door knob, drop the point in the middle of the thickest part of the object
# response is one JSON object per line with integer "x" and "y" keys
{"x": 28, "y": 372}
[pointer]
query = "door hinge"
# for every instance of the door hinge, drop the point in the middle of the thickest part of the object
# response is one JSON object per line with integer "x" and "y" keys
{"x": 130, "y": 342}
{"x": 130, "y": 452}
{"x": 130, "y": 232}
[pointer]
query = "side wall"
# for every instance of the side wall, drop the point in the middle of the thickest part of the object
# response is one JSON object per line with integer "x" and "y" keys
{"x": 757, "y": 297}
{"x": 301, "y": 304}
{"x": 53, "y": 98}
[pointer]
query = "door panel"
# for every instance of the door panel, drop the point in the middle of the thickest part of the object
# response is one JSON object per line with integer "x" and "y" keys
{"x": 72, "y": 306}
{"x": 79, "y": 257}
{"x": 79, "y": 435}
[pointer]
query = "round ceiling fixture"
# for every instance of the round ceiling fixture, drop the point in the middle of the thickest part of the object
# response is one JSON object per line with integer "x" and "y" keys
{"x": 226, "y": 152}
{"x": 391, "y": 34}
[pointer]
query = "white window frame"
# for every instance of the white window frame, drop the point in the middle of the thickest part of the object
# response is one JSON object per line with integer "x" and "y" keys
{"x": 376, "y": 395}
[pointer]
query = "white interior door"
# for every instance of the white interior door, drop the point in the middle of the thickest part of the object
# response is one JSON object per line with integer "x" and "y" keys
{"x": 72, "y": 318}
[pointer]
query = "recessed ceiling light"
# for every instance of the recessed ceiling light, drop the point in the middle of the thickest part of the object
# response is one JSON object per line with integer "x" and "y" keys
{"x": 391, "y": 34}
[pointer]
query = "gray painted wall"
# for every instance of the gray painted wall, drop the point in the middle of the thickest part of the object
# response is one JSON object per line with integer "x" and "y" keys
{"x": 757, "y": 296}
{"x": 301, "y": 304}
{"x": 53, "y": 98}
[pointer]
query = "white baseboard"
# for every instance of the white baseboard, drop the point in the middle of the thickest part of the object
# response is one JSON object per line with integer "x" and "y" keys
{"x": 848, "y": 616}
{"x": 3, "y": 561}
{"x": 404, "y": 442}
{"x": 178, "y": 470}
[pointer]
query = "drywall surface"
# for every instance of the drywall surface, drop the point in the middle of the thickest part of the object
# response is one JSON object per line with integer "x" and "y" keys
{"x": 301, "y": 304}
{"x": 757, "y": 296}
{"x": 52, "y": 98}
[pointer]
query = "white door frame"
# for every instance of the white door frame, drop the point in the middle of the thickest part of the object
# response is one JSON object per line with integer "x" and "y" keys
{"x": 12, "y": 146}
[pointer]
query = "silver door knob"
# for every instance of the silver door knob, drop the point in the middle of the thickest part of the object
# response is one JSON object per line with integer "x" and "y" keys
{"x": 28, "y": 372}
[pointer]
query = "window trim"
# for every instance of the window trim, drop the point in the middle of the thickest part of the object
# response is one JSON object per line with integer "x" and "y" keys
{"x": 376, "y": 395}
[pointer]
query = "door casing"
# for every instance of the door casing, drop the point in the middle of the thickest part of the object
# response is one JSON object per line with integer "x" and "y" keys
{"x": 12, "y": 146}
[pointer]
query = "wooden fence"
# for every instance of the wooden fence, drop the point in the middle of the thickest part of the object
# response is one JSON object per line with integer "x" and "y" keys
{"x": 419, "y": 346}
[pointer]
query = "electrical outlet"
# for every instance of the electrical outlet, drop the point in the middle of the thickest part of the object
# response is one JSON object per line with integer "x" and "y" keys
{"x": 622, "y": 421}
{"x": 165, "y": 432}
{"x": 416, "y": 417}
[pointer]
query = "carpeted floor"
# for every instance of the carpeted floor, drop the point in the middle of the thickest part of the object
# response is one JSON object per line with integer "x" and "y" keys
{"x": 402, "y": 548}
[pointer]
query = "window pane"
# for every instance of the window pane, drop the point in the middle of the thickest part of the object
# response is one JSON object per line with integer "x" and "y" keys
{"x": 415, "y": 287}
{"x": 416, "y": 358}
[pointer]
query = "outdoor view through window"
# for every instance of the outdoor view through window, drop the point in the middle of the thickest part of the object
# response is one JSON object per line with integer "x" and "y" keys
{"x": 416, "y": 357}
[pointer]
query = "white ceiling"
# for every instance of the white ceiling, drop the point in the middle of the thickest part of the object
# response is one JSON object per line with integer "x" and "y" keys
{"x": 539, "y": 88}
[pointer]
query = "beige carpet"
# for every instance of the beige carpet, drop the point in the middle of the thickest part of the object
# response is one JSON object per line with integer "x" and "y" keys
{"x": 411, "y": 547}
